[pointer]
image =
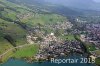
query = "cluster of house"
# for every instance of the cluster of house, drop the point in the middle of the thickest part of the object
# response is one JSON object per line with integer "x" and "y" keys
{"x": 80, "y": 21}
{"x": 24, "y": 16}
{"x": 93, "y": 37}
{"x": 93, "y": 34}
{"x": 31, "y": 39}
{"x": 49, "y": 39}
{"x": 61, "y": 25}
{"x": 52, "y": 47}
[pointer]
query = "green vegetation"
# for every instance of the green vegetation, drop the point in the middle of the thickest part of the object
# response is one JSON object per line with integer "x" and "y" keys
{"x": 68, "y": 37}
{"x": 90, "y": 47}
{"x": 42, "y": 19}
{"x": 7, "y": 56}
{"x": 15, "y": 17}
{"x": 15, "y": 22}
{"x": 4, "y": 45}
{"x": 97, "y": 52}
{"x": 77, "y": 37}
{"x": 27, "y": 51}
{"x": 97, "y": 61}
{"x": 14, "y": 31}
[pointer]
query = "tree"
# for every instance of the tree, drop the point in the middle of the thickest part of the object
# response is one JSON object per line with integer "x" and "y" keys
{"x": 10, "y": 39}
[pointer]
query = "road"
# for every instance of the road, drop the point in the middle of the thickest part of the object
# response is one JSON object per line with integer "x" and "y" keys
{"x": 14, "y": 48}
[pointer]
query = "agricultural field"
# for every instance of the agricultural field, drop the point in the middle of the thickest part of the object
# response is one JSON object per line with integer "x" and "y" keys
{"x": 4, "y": 45}
{"x": 43, "y": 19}
{"x": 27, "y": 51}
{"x": 22, "y": 52}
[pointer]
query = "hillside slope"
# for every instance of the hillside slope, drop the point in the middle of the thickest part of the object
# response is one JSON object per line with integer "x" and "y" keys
{"x": 80, "y": 4}
{"x": 17, "y": 18}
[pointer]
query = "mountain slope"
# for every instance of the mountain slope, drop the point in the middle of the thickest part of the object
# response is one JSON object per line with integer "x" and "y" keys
{"x": 16, "y": 19}
{"x": 63, "y": 7}
{"x": 80, "y": 4}
{"x": 42, "y": 4}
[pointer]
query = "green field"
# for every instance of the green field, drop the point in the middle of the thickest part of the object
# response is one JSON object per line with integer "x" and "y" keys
{"x": 15, "y": 31}
{"x": 90, "y": 47}
{"x": 4, "y": 45}
{"x": 27, "y": 51}
{"x": 68, "y": 37}
{"x": 7, "y": 56}
{"x": 43, "y": 19}
{"x": 97, "y": 61}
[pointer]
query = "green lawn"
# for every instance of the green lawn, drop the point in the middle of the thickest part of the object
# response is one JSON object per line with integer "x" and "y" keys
{"x": 28, "y": 51}
{"x": 90, "y": 47}
{"x": 68, "y": 37}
